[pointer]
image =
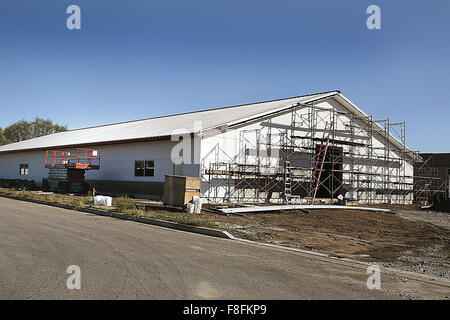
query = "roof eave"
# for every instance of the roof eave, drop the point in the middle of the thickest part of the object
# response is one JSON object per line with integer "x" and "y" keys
{"x": 409, "y": 152}
{"x": 91, "y": 144}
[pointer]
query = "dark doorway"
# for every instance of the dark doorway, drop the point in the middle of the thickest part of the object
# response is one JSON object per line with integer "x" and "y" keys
{"x": 331, "y": 178}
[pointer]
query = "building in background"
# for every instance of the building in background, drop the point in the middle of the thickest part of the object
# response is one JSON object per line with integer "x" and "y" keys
{"x": 432, "y": 175}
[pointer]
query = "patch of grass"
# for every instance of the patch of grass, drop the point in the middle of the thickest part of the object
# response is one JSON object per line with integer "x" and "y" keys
{"x": 124, "y": 204}
{"x": 49, "y": 198}
{"x": 83, "y": 202}
{"x": 77, "y": 202}
{"x": 133, "y": 212}
{"x": 24, "y": 194}
{"x": 183, "y": 218}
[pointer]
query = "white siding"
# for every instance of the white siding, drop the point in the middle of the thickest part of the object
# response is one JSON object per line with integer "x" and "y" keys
{"x": 117, "y": 163}
{"x": 10, "y": 165}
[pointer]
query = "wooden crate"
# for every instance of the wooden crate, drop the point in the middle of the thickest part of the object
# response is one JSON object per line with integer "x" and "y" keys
{"x": 179, "y": 190}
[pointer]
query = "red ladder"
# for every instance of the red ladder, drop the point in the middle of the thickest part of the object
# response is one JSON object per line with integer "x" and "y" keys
{"x": 320, "y": 158}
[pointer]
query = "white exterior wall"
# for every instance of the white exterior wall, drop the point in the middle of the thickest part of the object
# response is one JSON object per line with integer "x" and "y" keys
{"x": 116, "y": 163}
{"x": 10, "y": 166}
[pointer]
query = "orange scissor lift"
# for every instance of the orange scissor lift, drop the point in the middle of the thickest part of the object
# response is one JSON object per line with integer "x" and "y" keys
{"x": 67, "y": 169}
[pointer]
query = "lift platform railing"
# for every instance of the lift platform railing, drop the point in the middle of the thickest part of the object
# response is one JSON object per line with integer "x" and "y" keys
{"x": 86, "y": 159}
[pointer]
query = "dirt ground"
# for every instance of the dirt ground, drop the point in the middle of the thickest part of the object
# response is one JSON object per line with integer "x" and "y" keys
{"x": 410, "y": 240}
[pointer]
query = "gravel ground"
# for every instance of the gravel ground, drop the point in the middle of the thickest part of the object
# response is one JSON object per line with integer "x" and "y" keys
{"x": 425, "y": 260}
{"x": 441, "y": 219}
{"x": 432, "y": 260}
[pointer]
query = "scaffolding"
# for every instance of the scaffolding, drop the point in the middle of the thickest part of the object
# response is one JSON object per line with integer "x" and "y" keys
{"x": 320, "y": 154}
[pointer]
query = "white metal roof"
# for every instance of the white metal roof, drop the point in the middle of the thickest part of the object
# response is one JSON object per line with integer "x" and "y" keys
{"x": 157, "y": 127}
{"x": 168, "y": 125}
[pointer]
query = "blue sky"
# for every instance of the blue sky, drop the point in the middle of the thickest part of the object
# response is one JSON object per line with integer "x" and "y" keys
{"x": 138, "y": 59}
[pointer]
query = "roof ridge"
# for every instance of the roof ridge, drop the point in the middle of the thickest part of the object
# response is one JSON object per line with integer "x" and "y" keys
{"x": 204, "y": 110}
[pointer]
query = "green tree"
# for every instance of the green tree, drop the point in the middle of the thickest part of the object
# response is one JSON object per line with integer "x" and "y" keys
{"x": 41, "y": 127}
{"x": 3, "y": 139}
{"x": 19, "y": 131}
{"x": 24, "y": 130}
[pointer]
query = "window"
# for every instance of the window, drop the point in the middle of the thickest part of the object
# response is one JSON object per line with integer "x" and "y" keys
{"x": 23, "y": 169}
{"x": 144, "y": 168}
{"x": 139, "y": 168}
{"x": 423, "y": 172}
{"x": 448, "y": 171}
{"x": 434, "y": 171}
{"x": 149, "y": 168}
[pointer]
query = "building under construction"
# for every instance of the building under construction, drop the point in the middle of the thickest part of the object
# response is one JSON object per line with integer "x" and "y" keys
{"x": 305, "y": 149}
{"x": 313, "y": 151}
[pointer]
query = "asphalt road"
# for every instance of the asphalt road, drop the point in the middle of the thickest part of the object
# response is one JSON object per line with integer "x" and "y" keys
{"x": 128, "y": 260}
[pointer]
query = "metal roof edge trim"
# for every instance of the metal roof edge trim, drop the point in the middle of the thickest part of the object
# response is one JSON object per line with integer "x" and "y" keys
{"x": 102, "y": 143}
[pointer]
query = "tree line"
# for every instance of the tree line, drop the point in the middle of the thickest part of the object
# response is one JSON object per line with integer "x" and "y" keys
{"x": 24, "y": 130}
